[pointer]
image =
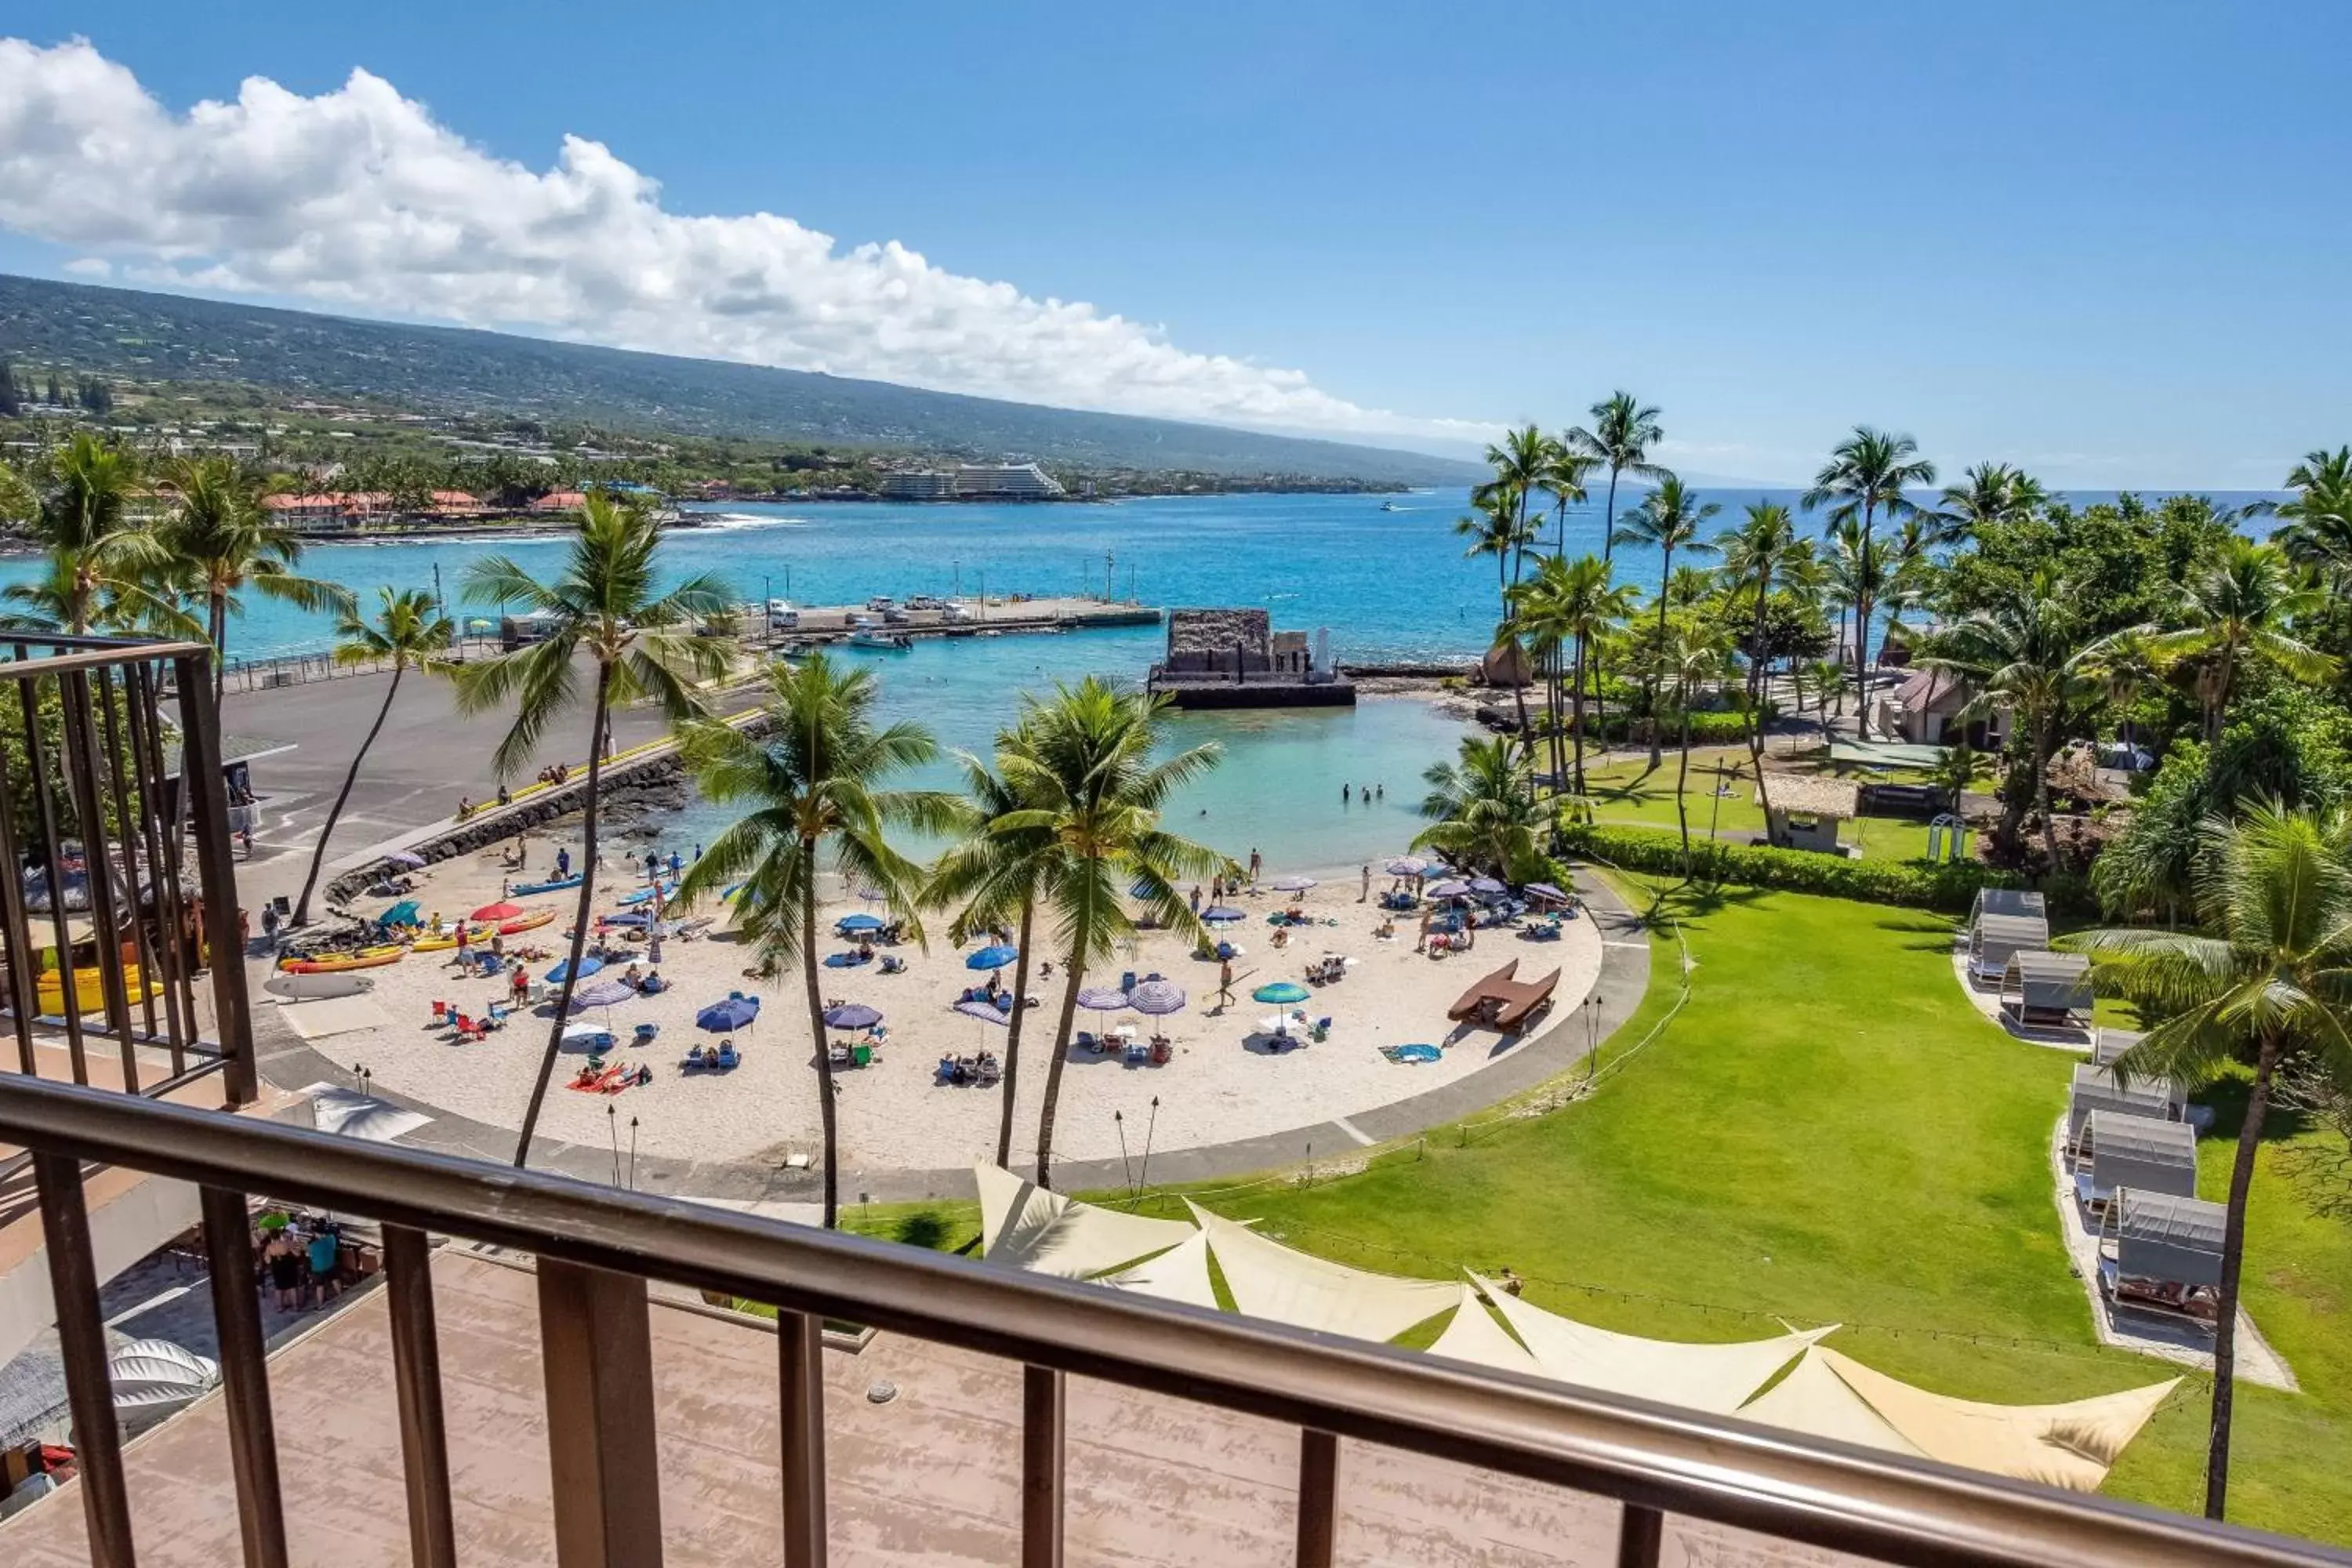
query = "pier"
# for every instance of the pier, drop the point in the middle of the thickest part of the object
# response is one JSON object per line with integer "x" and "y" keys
{"x": 956, "y": 618}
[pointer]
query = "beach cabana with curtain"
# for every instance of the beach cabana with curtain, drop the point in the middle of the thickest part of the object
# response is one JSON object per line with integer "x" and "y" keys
{"x": 2041, "y": 990}
{"x": 1270, "y": 1280}
{"x": 1024, "y": 1225}
{"x": 2073, "y": 1444}
{"x": 2159, "y": 1253}
{"x": 2095, "y": 1088}
{"x": 2003, "y": 922}
{"x": 2134, "y": 1152}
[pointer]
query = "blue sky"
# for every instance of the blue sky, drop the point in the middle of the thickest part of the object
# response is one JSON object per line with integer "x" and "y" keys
{"x": 2106, "y": 241}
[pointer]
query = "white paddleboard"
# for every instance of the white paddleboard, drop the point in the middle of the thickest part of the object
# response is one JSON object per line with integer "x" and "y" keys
{"x": 311, "y": 987}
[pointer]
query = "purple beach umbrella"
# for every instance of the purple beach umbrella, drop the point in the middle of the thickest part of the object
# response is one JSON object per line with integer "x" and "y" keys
{"x": 604, "y": 994}
{"x": 1102, "y": 998}
{"x": 1222, "y": 914}
{"x": 852, "y": 1016}
{"x": 1447, "y": 890}
{"x": 1486, "y": 885}
{"x": 973, "y": 1008}
{"x": 1407, "y": 865}
{"x": 1293, "y": 884}
{"x": 1157, "y": 997}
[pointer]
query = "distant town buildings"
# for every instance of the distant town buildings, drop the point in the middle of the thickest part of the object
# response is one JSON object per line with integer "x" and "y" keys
{"x": 973, "y": 482}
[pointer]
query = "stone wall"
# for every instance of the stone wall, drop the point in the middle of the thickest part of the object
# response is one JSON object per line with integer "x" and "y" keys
{"x": 1205, "y": 640}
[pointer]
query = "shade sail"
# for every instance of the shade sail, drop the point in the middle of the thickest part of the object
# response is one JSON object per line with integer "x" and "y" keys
{"x": 2071, "y": 1445}
{"x": 1179, "y": 1274}
{"x": 1270, "y": 1280}
{"x": 1717, "y": 1377}
{"x": 1815, "y": 1401}
{"x": 1474, "y": 1335}
{"x": 1024, "y": 1225}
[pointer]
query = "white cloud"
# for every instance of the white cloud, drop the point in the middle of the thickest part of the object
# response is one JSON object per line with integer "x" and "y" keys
{"x": 359, "y": 200}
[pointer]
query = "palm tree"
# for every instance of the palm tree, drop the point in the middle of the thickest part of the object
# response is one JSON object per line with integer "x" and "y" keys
{"x": 602, "y": 605}
{"x": 1563, "y": 476}
{"x": 413, "y": 632}
{"x": 1482, "y": 810}
{"x": 1987, "y": 494}
{"x": 2128, "y": 662}
{"x": 996, "y": 877}
{"x": 1494, "y": 529}
{"x": 2239, "y": 607}
{"x": 1669, "y": 520}
{"x": 1080, "y": 764}
{"x": 815, "y": 788}
{"x": 1573, "y": 602}
{"x": 2025, "y": 650}
{"x": 2268, "y": 982}
{"x": 2318, "y": 531}
{"x": 1866, "y": 477}
{"x": 221, "y": 538}
{"x": 1522, "y": 462}
{"x": 1756, "y": 556}
{"x": 1693, "y": 655}
{"x": 100, "y": 556}
{"x": 1623, "y": 430}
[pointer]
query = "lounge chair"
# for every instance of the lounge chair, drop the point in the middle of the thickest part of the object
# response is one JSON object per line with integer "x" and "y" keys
{"x": 1474, "y": 1004}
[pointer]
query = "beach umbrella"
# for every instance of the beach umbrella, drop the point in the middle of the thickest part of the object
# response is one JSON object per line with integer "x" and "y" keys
{"x": 1280, "y": 991}
{"x": 973, "y": 1008}
{"x": 1486, "y": 885}
{"x": 497, "y": 911}
{"x": 1293, "y": 884}
{"x": 852, "y": 1016}
{"x": 604, "y": 994}
{"x": 1447, "y": 890}
{"x": 1546, "y": 890}
{"x": 589, "y": 965}
{"x": 1220, "y": 914}
{"x": 1407, "y": 865}
{"x": 1102, "y": 998}
{"x": 858, "y": 922}
{"x": 993, "y": 957}
{"x": 728, "y": 1012}
{"x": 402, "y": 913}
{"x": 1157, "y": 997}
{"x": 403, "y": 857}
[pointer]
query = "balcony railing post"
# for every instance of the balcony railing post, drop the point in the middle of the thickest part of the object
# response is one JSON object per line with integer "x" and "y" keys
{"x": 416, "y": 1376}
{"x": 205, "y": 800}
{"x": 1043, "y": 1453}
{"x": 244, "y": 1378}
{"x": 1318, "y": 1497}
{"x": 799, "y": 1352}
{"x": 81, "y": 1343}
{"x": 596, "y": 1342}
{"x": 1639, "y": 1537}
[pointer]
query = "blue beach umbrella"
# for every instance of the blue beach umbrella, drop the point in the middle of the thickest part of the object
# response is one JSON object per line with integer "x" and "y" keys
{"x": 1280, "y": 991}
{"x": 852, "y": 1016}
{"x": 589, "y": 965}
{"x": 858, "y": 922}
{"x": 995, "y": 957}
{"x": 728, "y": 1012}
{"x": 1222, "y": 914}
{"x": 402, "y": 913}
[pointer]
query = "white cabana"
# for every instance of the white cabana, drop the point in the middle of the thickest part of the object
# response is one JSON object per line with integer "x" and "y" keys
{"x": 1179, "y": 1274}
{"x": 2095, "y": 1088}
{"x": 1270, "y": 1280}
{"x": 1024, "y": 1225}
{"x": 2005, "y": 921}
{"x": 155, "y": 1378}
{"x": 1717, "y": 1377}
{"x": 2134, "y": 1152}
{"x": 2071, "y": 1445}
{"x": 1474, "y": 1335}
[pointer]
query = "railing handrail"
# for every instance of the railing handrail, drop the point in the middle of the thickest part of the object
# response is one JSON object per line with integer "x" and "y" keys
{"x": 1643, "y": 1454}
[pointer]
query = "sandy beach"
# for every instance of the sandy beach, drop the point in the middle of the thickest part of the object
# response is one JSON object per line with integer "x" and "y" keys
{"x": 1225, "y": 1079}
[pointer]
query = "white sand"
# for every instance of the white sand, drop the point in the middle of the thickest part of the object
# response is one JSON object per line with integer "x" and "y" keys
{"x": 893, "y": 1116}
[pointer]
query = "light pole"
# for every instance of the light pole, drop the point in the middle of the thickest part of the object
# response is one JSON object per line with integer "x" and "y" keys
{"x": 768, "y": 600}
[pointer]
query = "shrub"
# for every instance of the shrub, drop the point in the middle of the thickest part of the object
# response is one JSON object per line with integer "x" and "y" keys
{"x": 1914, "y": 884}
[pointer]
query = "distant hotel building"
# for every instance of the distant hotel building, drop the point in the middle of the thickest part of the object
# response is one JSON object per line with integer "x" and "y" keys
{"x": 973, "y": 482}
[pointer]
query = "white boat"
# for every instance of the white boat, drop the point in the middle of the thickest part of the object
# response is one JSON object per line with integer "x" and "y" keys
{"x": 313, "y": 987}
{"x": 882, "y": 641}
{"x": 1390, "y": 506}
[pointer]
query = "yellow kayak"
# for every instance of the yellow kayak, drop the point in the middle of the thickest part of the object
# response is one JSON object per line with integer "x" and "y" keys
{"x": 89, "y": 989}
{"x": 475, "y": 934}
{"x": 366, "y": 958}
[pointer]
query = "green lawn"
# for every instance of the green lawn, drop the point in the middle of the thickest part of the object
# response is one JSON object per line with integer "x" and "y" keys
{"x": 1631, "y": 794}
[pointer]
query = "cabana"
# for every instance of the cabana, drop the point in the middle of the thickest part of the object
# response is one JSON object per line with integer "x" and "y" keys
{"x": 2003, "y": 922}
{"x": 2119, "y": 1152}
{"x": 2106, "y": 1045}
{"x": 2047, "y": 990}
{"x": 2162, "y": 1254}
{"x": 2095, "y": 1088}
{"x": 1802, "y": 811}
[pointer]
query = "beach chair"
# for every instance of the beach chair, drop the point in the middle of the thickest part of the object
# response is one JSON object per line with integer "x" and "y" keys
{"x": 1126, "y": 980}
{"x": 440, "y": 1015}
{"x": 988, "y": 1072}
{"x": 647, "y": 1033}
{"x": 729, "y": 1057}
{"x": 861, "y": 1056}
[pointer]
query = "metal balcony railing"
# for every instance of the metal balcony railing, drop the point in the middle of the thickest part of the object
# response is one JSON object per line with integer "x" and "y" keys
{"x": 120, "y": 945}
{"x": 596, "y": 1248}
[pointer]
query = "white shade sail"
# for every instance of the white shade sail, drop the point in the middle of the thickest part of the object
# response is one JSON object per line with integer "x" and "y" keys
{"x": 1717, "y": 1377}
{"x": 1024, "y": 1225}
{"x": 1270, "y": 1280}
{"x": 1474, "y": 1335}
{"x": 1815, "y": 1401}
{"x": 1179, "y": 1274}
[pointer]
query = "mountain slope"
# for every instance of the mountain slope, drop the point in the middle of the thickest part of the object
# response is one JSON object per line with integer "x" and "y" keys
{"x": 444, "y": 369}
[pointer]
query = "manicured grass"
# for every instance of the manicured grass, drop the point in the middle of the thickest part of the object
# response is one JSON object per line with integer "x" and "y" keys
{"x": 1630, "y": 792}
{"x": 1828, "y": 1134}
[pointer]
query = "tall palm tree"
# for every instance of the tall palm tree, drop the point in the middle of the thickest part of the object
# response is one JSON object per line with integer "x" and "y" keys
{"x": 1522, "y": 462}
{"x": 1757, "y": 557}
{"x": 2128, "y": 663}
{"x": 2240, "y": 606}
{"x": 1866, "y": 477}
{"x": 2318, "y": 527}
{"x": 995, "y": 877}
{"x": 2026, "y": 650}
{"x": 1493, "y": 529}
{"x": 1690, "y": 658}
{"x": 1668, "y": 520}
{"x": 604, "y": 606}
{"x": 814, "y": 787}
{"x": 1573, "y": 603}
{"x": 2267, "y": 983}
{"x": 1081, "y": 765}
{"x": 1988, "y": 493}
{"x": 101, "y": 557}
{"x": 1623, "y": 430}
{"x": 1534, "y": 625}
{"x": 1563, "y": 476}
{"x": 222, "y": 539}
{"x": 1482, "y": 810}
{"x": 411, "y": 631}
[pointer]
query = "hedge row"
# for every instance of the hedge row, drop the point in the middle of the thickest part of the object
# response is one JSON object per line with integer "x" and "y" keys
{"x": 1707, "y": 728}
{"x": 1915, "y": 884}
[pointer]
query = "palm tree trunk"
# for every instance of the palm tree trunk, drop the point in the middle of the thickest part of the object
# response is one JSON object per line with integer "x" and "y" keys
{"x": 1682, "y": 799}
{"x": 1666, "y": 567}
{"x": 1077, "y": 969}
{"x": 1861, "y": 598}
{"x": 334, "y": 813}
{"x": 1609, "y": 521}
{"x": 1520, "y": 698}
{"x": 216, "y": 625}
{"x": 2220, "y": 696}
{"x": 1756, "y": 706}
{"x": 2042, "y": 792}
{"x": 1576, "y": 699}
{"x": 826, "y": 1114}
{"x": 2233, "y": 1253}
{"x": 578, "y": 926}
{"x": 1012, "y": 1035}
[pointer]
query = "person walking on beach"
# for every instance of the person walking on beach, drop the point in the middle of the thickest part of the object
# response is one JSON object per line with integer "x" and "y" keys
{"x": 562, "y": 861}
{"x": 1256, "y": 865}
{"x": 1224, "y": 984}
{"x": 1366, "y": 896}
